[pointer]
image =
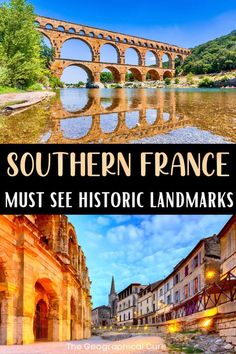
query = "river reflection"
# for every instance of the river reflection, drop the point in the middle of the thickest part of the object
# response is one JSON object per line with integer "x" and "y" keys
{"x": 127, "y": 116}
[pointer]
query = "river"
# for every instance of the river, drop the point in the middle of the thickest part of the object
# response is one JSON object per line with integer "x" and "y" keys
{"x": 127, "y": 116}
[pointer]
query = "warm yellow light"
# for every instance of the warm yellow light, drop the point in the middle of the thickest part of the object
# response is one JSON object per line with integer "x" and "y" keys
{"x": 207, "y": 323}
{"x": 145, "y": 328}
{"x": 210, "y": 274}
{"x": 111, "y": 327}
{"x": 124, "y": 327}
{"x": 173, "y": 328}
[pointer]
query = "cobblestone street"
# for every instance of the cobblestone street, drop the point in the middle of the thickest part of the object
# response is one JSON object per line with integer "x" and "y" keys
{"x": 95, "y": 345}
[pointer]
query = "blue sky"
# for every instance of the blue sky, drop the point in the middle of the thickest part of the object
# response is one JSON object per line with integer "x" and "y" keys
{"x": 184, "y": 22}
{"x": 138, "y": 248}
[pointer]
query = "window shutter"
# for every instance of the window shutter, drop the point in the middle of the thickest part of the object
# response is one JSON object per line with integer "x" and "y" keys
{"x": 189, "y": 289}
{"x": 192, "y": 291}
{"x": 199, "y": 258}
{"x": 192, "y": 265}
{"x": 199, "y": 282}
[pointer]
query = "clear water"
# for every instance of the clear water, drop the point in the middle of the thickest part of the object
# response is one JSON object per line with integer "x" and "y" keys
{"x": 127, "y": 116}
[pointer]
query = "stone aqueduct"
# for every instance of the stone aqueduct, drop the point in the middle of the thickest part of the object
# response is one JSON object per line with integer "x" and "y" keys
{"x": 59, "y": 32}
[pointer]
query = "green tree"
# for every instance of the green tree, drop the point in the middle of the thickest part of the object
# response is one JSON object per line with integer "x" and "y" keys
{"x": 129, "y": 77}
{"x": 47, "y": 54}
{"x": 212, "y": 57}
{"x": 21, "y": 59}
{"x": 107, "y": 77}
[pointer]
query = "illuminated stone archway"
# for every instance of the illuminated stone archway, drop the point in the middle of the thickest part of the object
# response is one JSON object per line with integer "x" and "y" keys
{"x": 46, "y": 314}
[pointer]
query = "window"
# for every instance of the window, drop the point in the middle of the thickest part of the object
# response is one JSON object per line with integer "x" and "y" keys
{"x": 168, "y": 286}
{"x": 177, "y": 297}
{"x": 195, "y": 285}
{"x": 153, "y": 297}
{"x": 154, "y": 307}
{"x": 161, "y": 291}
{"x": 168, "y": 299}
{"x": 177, "y": 278}
{"x": 186, "y": 294}
{"x": 186, "y": 271}
{"x": 129, "y": 316}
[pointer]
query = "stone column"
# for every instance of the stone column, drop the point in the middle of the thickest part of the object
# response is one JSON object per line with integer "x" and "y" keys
{"x": 8, "y": 318}
{"x": 142, "y": 60}
{"x": 143, "y": 77}
{"x": 122, "y": 78}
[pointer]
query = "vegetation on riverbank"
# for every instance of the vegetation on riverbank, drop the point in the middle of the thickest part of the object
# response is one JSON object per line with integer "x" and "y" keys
{"x": 24, "y": 58}
{"x": 212, "y": 57}
{"x": 5, "y": 89}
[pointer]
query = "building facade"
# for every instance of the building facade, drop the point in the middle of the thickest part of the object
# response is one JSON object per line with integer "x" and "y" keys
{"x": 228, "y": 247}
{"x": 147, "y": 304}
{"x": 101, "y": 316}
{"x": 127, "y": 305}
{"x": 44, "y": 281}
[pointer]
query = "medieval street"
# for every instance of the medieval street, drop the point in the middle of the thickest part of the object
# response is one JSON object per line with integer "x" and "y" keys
{"x": 95, "y": 345}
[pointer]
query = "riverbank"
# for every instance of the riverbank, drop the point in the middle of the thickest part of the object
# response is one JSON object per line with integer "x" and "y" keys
{"x": 18, "y": 101}
{"x": 219, "y": 80}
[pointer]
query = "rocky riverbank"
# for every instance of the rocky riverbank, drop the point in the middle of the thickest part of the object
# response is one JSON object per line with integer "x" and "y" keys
{"x": 16, "y": 102}
{"x": 197, "y": 343}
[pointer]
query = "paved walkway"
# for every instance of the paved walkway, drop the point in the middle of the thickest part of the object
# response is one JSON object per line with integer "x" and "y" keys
{"x": 95, "y": 345}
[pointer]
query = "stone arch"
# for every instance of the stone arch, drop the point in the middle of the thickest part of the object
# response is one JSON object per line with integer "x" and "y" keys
{"x": 113, "y": 46}
{"x": 72, "y": 30}
{"x": 136, "y": 73}
{"x": 91, "y": 34}
{"x": 44, "y": 34}
{"x": 82, "y": 33}
{"x": 167, "y": 74}
{"x": 73, "y": 38}
{"x": 49, "y": 26}
{"x": 46, "y": 313}
{"x": 61, "y": 28}
{"x": 156, "y": 58}
{"x": 166, "y": 64}
{"x": 152, "y": 75}
{"x": 179, "y": 60}
{"x": 88, "y": 71}
{"x": 138, "y": 56}
{"x": 37, "y": 23}
{"x": 115, "y": 72}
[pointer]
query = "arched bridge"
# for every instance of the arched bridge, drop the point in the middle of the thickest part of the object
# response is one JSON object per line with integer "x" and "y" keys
{"x": 58, "y": 32}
